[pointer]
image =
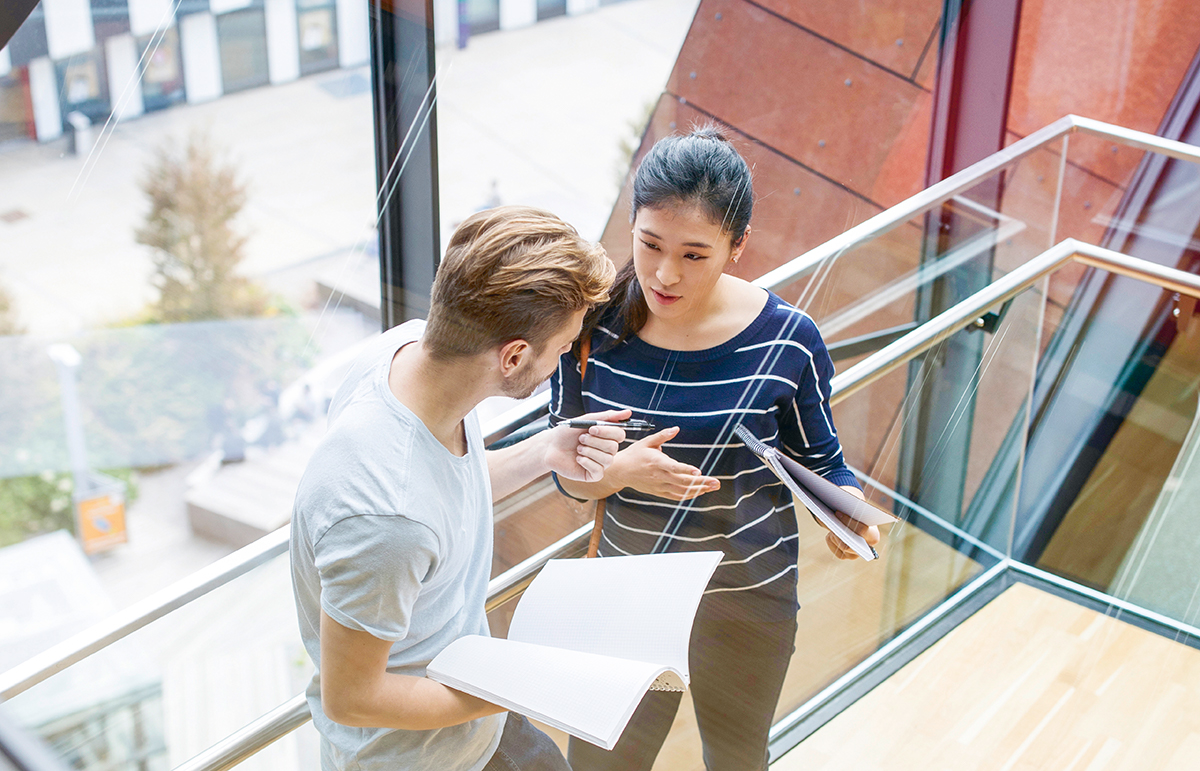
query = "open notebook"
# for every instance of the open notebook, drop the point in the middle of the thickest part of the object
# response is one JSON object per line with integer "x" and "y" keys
{"x": 588, "y": 639}
{"x": 819, "y": 495}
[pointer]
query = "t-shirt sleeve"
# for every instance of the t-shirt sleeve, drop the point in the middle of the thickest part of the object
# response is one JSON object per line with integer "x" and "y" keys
{"x": 371, "y": 570}
{"x": 566, "y": 389}
{"x": 806, "y": 429}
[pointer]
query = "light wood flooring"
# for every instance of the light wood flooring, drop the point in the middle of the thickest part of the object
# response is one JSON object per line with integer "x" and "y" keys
{"x": 1031, "y": 682}
{"x": 848, "y": 609}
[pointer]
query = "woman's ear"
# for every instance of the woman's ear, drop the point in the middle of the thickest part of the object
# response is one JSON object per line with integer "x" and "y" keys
{"x": 740, "y": 245}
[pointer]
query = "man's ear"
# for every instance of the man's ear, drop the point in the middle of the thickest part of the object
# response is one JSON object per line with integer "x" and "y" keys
{"x": 512, "y": 355}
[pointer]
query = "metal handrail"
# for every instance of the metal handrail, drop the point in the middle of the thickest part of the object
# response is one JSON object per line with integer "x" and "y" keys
{"x": 512, "y": 582}
{"x": 144, "y": 612}
{"x": 940, "y": 192}
{"x": 964, "y": 313}
{"x": 120, "y": 624}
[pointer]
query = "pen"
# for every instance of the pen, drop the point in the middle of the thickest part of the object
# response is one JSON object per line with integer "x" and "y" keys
{"x": 628, "y": 425}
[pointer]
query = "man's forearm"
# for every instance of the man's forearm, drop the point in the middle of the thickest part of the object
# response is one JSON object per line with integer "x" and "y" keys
{"x": 404, "y": 702}
{"x": 357, "y": 690}
{"x": 514, "y": 467}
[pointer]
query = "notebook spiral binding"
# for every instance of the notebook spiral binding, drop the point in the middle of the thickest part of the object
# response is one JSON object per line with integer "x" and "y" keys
{"x": 752, "y": 442}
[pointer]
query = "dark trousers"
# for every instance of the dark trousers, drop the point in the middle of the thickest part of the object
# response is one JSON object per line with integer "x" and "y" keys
{"x": 737, "y": 670}
{"x": 524, "y": 748}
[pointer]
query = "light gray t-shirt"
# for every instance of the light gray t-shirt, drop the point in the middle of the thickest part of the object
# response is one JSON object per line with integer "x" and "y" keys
{"x": 392, "y": 535}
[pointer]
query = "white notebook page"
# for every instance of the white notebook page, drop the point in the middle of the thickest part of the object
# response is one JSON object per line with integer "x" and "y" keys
{"x": 638, "y": 607}
{"x": 587, "y": 695}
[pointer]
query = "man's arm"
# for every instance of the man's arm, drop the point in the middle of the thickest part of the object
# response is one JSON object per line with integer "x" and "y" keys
{"x": 357, "y": 689}
{"x": 572, "y": 453}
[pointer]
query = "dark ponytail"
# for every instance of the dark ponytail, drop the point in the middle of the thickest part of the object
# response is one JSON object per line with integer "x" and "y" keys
{"x": 701, "y": 169}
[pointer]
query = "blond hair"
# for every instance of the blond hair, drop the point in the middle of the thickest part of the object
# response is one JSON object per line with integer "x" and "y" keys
{"x": 513, "y": 272}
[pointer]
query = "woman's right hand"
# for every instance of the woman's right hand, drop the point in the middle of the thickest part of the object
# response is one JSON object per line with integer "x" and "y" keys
{"x": 646, "y": 468}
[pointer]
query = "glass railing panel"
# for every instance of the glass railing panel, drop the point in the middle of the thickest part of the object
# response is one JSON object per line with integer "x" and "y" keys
{"x": 1121, "y": 406}
{"x": 173, "y": 688}
{"x": 1138, "y": 203}
{"x": 850, "y": 609}
{"x": 924, "y": 265}
{"x": 533, "y": 518}
{"x": 1100, "y": 175}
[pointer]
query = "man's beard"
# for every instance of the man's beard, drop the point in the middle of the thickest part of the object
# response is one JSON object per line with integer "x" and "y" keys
{"x": 522, "y": 385}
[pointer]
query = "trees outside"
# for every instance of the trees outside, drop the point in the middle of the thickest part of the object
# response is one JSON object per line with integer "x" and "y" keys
{"x": 195, "y": 199}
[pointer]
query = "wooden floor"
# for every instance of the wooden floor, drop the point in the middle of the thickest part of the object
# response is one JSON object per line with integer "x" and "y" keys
{"x": 1031, "y": 682}
{"x": 848, "y": 609}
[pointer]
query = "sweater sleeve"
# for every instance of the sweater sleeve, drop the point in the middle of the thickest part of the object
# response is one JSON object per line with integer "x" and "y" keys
{"x": 566, "y": 389}
{"x": 806, "y": 430}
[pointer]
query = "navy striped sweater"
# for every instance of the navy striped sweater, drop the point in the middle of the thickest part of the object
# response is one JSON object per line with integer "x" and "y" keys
{"x": 773, "y": 377}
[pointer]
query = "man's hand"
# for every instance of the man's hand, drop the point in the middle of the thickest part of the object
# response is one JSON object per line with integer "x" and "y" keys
{"x": 583, "y": 454}
{"x": 869, "y": 533}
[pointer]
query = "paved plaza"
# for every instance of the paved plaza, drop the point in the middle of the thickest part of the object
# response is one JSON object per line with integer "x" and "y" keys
{"x": 534, "y": 116}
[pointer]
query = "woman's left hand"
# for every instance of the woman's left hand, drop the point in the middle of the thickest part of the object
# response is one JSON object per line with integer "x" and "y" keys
{"x": 869, "y": 533}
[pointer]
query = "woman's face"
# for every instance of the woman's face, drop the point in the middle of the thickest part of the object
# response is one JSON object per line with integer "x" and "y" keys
{"x": 679, "y": 255}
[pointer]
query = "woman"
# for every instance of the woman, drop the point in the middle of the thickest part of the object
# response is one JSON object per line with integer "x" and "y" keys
{"x": 689, "y": 347}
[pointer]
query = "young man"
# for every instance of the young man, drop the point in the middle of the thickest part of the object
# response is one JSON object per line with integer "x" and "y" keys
{"x": 392, "y": 529}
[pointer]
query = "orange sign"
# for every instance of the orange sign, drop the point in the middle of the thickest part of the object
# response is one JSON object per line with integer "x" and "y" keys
{"x": 101, "y": 522}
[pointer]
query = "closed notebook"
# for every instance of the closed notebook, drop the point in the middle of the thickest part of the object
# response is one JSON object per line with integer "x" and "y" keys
{"x": 589, "y": 637}
{"x": 819, "y": 495}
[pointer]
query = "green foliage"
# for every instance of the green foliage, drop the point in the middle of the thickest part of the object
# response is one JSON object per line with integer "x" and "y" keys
{"x": 194, "y": 200}
{"x": 39, "y": 504}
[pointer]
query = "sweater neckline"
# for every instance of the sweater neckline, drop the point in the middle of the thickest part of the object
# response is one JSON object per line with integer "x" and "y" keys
{"x": 716, "y": 352}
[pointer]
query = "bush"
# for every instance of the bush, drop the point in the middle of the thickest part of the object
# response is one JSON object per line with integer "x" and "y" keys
{"x": 34, "y": 505}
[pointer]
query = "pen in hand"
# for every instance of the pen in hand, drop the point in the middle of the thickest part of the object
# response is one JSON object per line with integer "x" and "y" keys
{"x": 628, "y": 425}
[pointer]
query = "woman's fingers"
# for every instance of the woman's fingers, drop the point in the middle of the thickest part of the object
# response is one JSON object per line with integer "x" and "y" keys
{"x": 659, "y": 438}
{"x": 839, "y": 549}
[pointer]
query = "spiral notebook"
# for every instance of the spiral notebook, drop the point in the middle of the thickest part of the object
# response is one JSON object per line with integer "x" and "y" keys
{"x": 587, "y": 640}
{"x": 819, "y": 495}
